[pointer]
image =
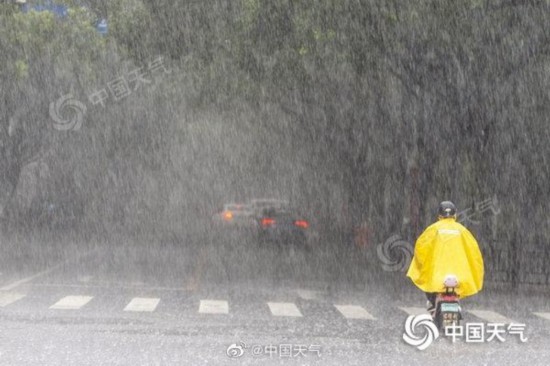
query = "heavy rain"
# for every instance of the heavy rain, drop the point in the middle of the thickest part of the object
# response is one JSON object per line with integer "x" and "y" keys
{"x": 245, "y": 182}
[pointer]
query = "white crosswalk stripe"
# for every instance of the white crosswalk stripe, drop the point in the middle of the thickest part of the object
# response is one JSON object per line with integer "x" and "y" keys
{"x": 350, "y": 311}
{"x": 284, "y": 309}
{"x": 491, "y": 316}
{"x": 142, "y": 304}
{"x": 487, "y": 315}
{"x": 543, "y": 315}
{"x": 71, "y": 302}
{"x": 354, "y": 312}
{"x": 7, "y": 298}
{"x": 214, "y": 307}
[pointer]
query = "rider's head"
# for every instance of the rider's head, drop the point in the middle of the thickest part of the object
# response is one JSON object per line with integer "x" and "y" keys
{"x": 446, "y": 210}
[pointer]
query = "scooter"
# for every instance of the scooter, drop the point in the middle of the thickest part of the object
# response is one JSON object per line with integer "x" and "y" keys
{"x": 447, "y": 304}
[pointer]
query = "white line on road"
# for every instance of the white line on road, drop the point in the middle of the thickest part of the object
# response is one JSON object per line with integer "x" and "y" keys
{"x": 308, "y": 294}
{"x": 284, "y": 309}
{"x": 213, "y": 307}
{"x": 142, "y": 304}
{"x": 543, "y": 315}
{"x": 9, "y": 298}
{"x": 71, "y": 302}
{"x": 491, "y": 316}
{"x": 15, "y": 284}
{"x": 354, "y": 312}
{"x": 110, "y": 285}
{"x": 85, "y": 278}
{"x": 414, "y": 310}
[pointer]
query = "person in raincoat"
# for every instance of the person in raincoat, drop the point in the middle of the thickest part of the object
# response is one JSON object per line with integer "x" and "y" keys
{"x": 446, "y": 248}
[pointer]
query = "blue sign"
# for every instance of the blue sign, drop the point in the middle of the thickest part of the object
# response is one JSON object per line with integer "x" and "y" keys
{"x": 101, "y": 26}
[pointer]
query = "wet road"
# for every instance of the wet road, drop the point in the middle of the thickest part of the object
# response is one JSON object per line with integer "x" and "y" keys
{"x": 147, "y": 304}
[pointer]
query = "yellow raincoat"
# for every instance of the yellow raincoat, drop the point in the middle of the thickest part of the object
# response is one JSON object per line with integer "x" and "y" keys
{"x": 446, "y": 247}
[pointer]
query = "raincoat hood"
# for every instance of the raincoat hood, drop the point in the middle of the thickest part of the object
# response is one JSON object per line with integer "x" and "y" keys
{"x": 445, "y": 248}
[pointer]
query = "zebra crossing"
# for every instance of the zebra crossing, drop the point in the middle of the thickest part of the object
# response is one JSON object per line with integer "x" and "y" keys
{"x": 142, "y": 304}
{"x": 71, "y": 302}
{"x": 214, "y": 307}
{"x": 284, "y": 309}
{"x": 9, "y": 298}
{"x": 354, "y": 312}
{"x": 491, "y": 316}
{"x": 348, "y": 311}
{"x": 487, "y": 315}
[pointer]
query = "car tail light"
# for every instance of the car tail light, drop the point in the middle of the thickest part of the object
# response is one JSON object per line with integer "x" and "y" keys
{"x": 228, "y": 215}
{"x": 302, "y": 223}
{"x": 266, "y": 221}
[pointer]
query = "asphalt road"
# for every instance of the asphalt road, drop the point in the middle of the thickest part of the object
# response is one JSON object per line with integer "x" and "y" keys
{"x": 153, "y": 304}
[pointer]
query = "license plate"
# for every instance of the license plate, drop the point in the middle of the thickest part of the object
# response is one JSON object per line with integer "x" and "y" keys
{"x": 451, "y": 308}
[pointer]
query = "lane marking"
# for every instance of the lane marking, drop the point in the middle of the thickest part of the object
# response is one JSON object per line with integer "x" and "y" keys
{"x": 85, "y": 279}
{"x": 491, "y": 316}
{"x": 15, "y": 284}
{"x": 9, "y": 298}
{"x": 543, "y": 315}
{"x": 354, "y": 312}
{"x": 214, "y": 307}
{"x": 284, "y": 309}
{"x": 308, "y": 294}
{"x": 20, "y": 282}
{"x": 71, "y": 302}
{"x": 142, "y": 304}
{"x": 110, "y": 285}
{"x": 414, "y": 310}
{"x": 487, "y": 315}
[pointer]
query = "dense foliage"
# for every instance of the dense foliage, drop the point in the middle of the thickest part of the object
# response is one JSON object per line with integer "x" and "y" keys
{"x": 362, "y": 112}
